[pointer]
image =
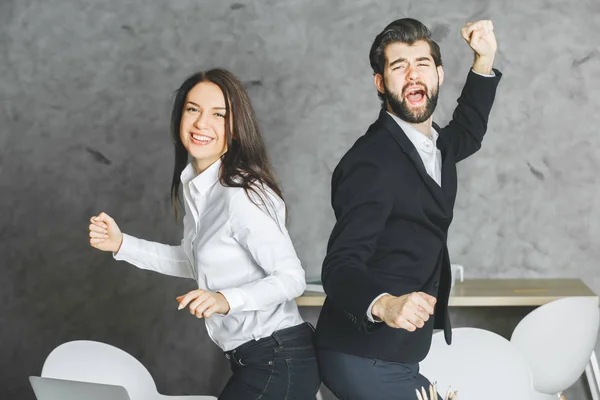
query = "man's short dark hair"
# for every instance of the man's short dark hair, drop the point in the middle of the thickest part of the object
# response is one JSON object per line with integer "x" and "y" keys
{"x": 405, "y": 30}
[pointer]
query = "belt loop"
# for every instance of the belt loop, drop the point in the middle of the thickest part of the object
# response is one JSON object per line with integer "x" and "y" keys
{"x": 277, "y": 339}
{"x": 238, "y": 359}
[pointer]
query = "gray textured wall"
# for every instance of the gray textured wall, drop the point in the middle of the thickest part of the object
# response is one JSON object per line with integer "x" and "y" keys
{"x": 85, "y": 94}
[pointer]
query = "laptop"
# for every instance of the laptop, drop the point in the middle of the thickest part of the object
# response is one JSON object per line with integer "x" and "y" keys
{"x": 60, "y": 389}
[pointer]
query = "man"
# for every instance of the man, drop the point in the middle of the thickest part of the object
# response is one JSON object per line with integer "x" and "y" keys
{"x": 387, "y": 269}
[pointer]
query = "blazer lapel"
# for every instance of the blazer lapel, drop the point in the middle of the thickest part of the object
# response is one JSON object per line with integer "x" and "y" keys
{"x": 406, "y": 145}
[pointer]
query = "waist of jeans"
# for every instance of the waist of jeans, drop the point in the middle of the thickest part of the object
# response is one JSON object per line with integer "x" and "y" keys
{"x": 276, "y": 339}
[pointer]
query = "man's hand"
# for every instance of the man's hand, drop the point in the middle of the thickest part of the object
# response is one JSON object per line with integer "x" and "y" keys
{"x": 480, "y": 37}
{"x": 408, "y": 312}
{"x": 204, "y": 303}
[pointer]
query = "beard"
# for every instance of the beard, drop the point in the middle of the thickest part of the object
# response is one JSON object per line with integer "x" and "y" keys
{"x": 401, "y": 107}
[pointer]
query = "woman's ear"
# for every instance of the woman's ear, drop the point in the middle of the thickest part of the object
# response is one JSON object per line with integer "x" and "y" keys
{"x": 234, "y": 136}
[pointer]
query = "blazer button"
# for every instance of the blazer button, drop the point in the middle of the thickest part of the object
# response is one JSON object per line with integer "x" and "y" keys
{"x": 436, "y": 284}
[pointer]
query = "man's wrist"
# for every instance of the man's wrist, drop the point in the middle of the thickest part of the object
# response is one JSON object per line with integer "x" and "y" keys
{"x": 370, "y": 316}
{"x": 378, "y": 309}
{"x": 483, "y": 64}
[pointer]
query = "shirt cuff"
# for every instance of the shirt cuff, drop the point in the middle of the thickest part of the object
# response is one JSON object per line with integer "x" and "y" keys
{"x": 235, "y": 298}
{"x": 369, "y": 313}
{"x": 493, "y": 74}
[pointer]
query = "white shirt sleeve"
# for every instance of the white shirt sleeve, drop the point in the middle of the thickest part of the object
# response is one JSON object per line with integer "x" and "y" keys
{"x": 369, "y": 310}
{"x": 486, "y": 75}
{"x": 265, "y": 237}
{"x": 168, "y": 260}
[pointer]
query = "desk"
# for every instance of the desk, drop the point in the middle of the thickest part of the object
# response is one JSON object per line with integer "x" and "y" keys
{"x": 507, "y": 293}
{"x": 497, "y": 292}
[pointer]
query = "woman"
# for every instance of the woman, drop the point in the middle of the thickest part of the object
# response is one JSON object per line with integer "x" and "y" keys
{"x": 235, "y": 243}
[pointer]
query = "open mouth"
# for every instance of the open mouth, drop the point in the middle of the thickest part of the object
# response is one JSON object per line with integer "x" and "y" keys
{"x": 201, "y": 140}
{"x": 416, "y": 95}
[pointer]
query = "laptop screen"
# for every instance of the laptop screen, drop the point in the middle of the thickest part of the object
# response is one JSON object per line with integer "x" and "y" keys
{"x": 59, "y": 389}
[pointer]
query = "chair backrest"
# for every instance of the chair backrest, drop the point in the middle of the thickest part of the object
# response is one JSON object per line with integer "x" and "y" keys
{"x": 557, "y": 340}
{"x": 96, "y": 362}
{"x": 480, "y": 365}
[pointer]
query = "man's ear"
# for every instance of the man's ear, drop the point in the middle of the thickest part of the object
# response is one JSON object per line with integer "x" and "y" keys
{"x": 440, "y": 72}
{"x": 379, "y": 83}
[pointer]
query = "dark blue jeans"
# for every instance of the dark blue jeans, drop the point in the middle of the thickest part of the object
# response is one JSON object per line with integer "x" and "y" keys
{"x": 282, "y": 366}
{"x": 351, "y": 377}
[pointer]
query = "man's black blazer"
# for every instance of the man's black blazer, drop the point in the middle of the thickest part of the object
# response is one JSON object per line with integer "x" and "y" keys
{"x": 391, "y": 229}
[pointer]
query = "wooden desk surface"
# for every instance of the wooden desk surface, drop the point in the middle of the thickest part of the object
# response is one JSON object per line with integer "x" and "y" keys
{"x": 497, "y": 292}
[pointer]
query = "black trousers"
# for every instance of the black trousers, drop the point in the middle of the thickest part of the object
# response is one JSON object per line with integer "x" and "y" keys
{"x": 351, "y": 377}
{"x": 282, "y": 366}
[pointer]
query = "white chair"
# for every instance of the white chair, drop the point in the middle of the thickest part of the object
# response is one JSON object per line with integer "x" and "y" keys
{"x": 558, "y": 340}
{"x": 96, "y": 362}
{"x": 480, "y": 365}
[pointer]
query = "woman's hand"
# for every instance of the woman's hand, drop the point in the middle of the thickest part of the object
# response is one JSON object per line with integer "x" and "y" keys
{"x": 105, "y": 234}
{"x": 433, "y": 394}
{"x": 204, "y": 303}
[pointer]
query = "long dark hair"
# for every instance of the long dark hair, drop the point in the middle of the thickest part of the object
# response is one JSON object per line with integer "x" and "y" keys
{"x": 245, "y": 164}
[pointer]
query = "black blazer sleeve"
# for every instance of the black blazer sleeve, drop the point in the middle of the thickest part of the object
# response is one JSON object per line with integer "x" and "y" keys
{"x": 464, "y": 133}
{"x": 362, "y": 202}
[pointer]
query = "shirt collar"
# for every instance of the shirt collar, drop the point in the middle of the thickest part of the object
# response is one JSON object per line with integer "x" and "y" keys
{"x": 420, "y": 141}
{"x": 203, "y": 181}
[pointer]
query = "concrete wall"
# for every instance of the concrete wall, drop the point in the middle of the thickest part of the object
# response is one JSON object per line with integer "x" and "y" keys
{"x": 84, "y": 107}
